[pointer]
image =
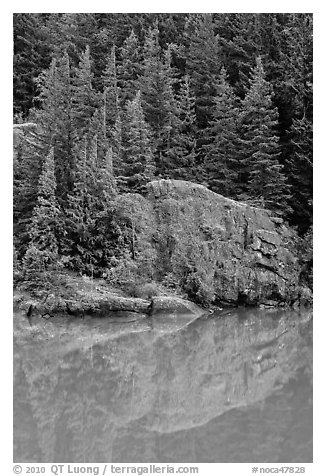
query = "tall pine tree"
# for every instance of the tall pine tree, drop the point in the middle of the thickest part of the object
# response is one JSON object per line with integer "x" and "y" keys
{"x": 181, "y": 156}
{"x": 42, "y": 252}
{"x": 156, "y": 86}
{"x": 130, "y": 67}
{"x": 300, "y": 165}
{"x": 298, "y": 150}
{"x": 138, "y": 165}
{"x": 84, "y": 98}
{"x": 55, "y": 121}
{"x": 53, "y": 129}
{"x": 261, "y": 177}
{"x": 203, "y": 61}
{"x": 111, "y": 108}
{"x": 79, "y": 209}
{"x": 240, "y": 42}
{"x": 222, "y": 157}
{"x": 31, "y": 56}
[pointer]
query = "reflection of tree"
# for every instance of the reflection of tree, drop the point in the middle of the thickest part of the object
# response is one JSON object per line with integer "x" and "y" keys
{"x": 148, "y": 396}
{"x": 24, "y": 423}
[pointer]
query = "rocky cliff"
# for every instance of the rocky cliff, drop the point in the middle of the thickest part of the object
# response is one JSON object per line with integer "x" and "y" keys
{"x": 216, "y": 249}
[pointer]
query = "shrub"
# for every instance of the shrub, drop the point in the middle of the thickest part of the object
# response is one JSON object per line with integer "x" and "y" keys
{"x": 143, "y": 291}
{"x": 199, "y": 287}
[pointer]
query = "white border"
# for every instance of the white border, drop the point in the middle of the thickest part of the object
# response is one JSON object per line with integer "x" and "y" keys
{"x": 315, "y": 7}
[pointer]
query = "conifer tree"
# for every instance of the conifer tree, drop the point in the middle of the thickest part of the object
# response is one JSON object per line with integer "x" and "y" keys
{"x": 240, "y": 44}
{"x": 181, "y": 156}
{"x": 106, "y": 180}
{"x": 138, "y": 165}
{"x": 96, "y": 130}
{"x": 151, "y": 83}
{"x": 203, "y": 62}
{"x": 261, "y": 176}
{"x": 54, "y": 119}
{"x": 297, "y": 59}
{"x": 101, "y": 228}
{"x": 42, "y": 253}
{"x": 79, "y": 219}
{"x": 26, "y": 173}
{"x": 84, "y": 98}
{"x": 129, "y": 67}
{"x": 117, "y": 149}
{"x": 62, "y": 32}
{"x": 111, "y": 95}
{"x": 31, "y": 56}
{"x": 87, "y": 239}
{"x": 221, "y": 161}
{"x": 100, "y": 181}
{"x": 53, "y": 129}
{"x": 298, "y": 144}
{"x": 156, "y": 86}
{"x": 112, "y": 124}
{"x": 300, "y": 165}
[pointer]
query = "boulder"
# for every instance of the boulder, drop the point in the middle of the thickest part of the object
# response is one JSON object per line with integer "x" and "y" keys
{"x": 174, "y": 305}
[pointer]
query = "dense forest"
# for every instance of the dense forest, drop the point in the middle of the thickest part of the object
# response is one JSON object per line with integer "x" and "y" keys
{"x": 110, "y": 102}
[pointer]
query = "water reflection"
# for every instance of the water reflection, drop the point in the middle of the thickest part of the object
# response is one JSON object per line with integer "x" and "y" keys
{"x": 235, "y": 387}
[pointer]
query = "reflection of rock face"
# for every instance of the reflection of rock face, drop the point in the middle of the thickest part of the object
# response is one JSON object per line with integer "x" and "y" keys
{"x": 111, "y": 396}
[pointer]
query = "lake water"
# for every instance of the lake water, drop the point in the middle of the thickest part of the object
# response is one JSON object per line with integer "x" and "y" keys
{"x": 234, "y": 387}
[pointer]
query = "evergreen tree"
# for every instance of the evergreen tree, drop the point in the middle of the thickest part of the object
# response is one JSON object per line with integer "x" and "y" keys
{"x": 54, "y": 119}
{"x": 73, "y": 32}
{"x": 203, "y": 60}
{"x": 261, "y": 177}
{"x": 62, "y": 32}
{"x": 240, "y": 44}
{"x": 101, "y": 228}
{"x": 31, "y": 57}
{"x": 106, "y": 180}
{"x": 156, "y": 86}
{"x": 42, "y": 252}
{"x": 130, "y": 67}
{"x": 110, "y": 95}
{"x": 169, "y": 134}
{"x": 79, "y": 219}
{"x": 138, "y": 165}
{"x": 221, "y": 161}
{"x": 100, "y": 182}
{"x": 298, "y": 144}
{"x": 26, "y": 173}
{"x": 297, "y": 59}
{"x": 52, "y": 129}
{"x": 84, "y": 98}
{"x": 96, "y": 130}
{"x": 87, "y": 240}
{"x": 300, "y": 165}
{"x": 181, "y": 156}
{"x": 117, "y": 149}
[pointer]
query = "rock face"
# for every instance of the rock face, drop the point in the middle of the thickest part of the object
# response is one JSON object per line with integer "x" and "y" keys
{"x": 218, "y": 250}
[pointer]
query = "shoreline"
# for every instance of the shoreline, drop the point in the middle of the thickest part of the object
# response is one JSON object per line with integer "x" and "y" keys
{"x": 80, "y": 296}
